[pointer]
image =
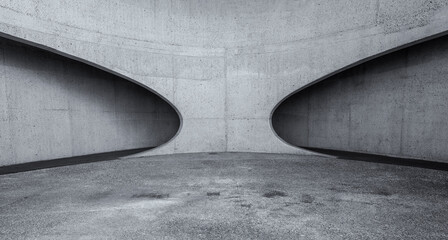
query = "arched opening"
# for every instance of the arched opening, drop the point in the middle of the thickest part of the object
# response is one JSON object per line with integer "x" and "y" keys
{"x": 55, "y": 107}
{"x": 393, "y": 105}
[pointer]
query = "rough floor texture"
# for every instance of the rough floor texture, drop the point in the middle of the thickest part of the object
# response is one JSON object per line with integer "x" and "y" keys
{"x": 225, "y": 196}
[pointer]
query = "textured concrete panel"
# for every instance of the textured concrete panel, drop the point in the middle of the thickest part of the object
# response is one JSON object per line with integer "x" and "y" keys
{"x": 200, "y": 99}
{"x": 202, "y": 139}
{"x": 247, "y": 56}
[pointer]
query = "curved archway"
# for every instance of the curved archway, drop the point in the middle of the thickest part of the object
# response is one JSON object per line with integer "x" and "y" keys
{"x": 56, "y": 107}
{"x": 392, "y": 105}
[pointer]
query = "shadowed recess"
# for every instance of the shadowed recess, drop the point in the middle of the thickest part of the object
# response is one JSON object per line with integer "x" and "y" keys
{"x": 52, "y": 107}
{"x": 60, "y": 162}
{"x": 374, "y": 158}
{"x": 394, "y": 105}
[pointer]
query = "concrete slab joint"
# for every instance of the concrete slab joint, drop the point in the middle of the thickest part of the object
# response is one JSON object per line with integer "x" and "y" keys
{"x": 224, "y": 65}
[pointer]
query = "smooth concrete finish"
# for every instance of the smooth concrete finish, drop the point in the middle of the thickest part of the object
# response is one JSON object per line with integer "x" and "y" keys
{"x": 54, "y": 107}
{"x": 224, "y": 64}
{"x": 225, "y": 196}
{"x": 394, "y": 105}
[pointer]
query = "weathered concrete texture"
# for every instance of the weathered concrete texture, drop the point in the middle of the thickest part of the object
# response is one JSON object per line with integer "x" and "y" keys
{"x": 225, "y": 196}
{"x": 224, "y": 64}
{"x": 53, "y": 107}
{"x": 394, "y": 105}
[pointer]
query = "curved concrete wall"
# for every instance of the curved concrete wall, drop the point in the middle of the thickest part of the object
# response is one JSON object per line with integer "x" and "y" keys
{"x": 224, "y": 65}
{"x": 53, "y": 107}
{"x": 394, "y": 105}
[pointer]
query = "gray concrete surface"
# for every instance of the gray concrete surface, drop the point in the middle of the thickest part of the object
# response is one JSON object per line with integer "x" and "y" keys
{"x": 225, "y": 196}
{"x": 223, "y": 64}
{"x": 53, "y": 107}
{"x": 394, "y": 105}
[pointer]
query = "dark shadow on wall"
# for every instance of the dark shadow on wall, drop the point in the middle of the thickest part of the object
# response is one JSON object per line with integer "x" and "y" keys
{"x": 375, "y": 158}
{"x": 53, "y": 107}
{"x": 396, "y": 105}
{"x": 91, "y": 158}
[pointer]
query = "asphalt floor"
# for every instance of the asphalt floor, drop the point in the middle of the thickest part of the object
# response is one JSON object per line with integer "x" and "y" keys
{"x": 225, "y": 196}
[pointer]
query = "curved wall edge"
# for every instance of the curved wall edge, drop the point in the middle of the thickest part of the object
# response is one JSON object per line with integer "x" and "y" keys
{"x": 391, "y": 105}
{"x": 357, "y": 63}
{"x": 54, "y": 106}
{"x": 219, "y": 73}
{"x": 92, "y": 64}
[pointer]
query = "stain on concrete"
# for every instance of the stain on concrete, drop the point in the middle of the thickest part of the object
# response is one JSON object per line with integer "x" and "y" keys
{"x": 274, "y": 193}
{"x": 244, "y": 205}
{"x": 306, "y": 198}
{"x": 208, "y": 162}
{"x": 382, "y": 192}
{"x": 151, "y": 195}
{"x": 232, "y": 197}
{"x": 287, "y": 204}
{"x": 213, "y": 194}
{"x": 335, "y": 189}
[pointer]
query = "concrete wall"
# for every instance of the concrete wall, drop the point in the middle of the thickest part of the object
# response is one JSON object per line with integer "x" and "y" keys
{"x": 224, "y": 64}
{"x": 54, "y": 107}
{"x": 394, "y": 105}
